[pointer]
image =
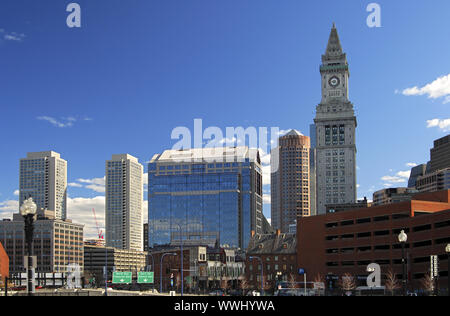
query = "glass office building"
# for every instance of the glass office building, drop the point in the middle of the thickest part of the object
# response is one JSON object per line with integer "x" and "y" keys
{"x": 210, "y": 196}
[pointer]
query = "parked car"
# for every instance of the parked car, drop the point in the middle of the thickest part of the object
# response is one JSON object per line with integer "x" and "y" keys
{"x": 217, "y": 293}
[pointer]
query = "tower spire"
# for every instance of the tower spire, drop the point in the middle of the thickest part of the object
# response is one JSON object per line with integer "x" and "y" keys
{"x": 334, "y": 47}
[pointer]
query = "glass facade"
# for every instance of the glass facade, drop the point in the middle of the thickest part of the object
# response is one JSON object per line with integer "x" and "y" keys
{"x": 202, "y": 203}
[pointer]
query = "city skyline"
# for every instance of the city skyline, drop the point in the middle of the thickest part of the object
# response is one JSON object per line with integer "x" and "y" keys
{"x": 71, "y": 121}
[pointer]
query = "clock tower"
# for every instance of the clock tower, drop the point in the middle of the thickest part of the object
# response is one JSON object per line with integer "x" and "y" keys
{"x": 335, "y": 124}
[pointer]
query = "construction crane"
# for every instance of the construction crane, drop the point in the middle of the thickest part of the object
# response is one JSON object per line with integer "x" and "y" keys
{"x": 99, "y": 231}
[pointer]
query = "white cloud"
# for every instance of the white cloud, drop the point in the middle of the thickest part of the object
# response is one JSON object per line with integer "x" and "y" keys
{"x": 75, "y": 185}
{"x": 13, "y": 36}
{"x": 444, "y": 124}
{"x": 79, "y": 210}
{"x": 63, "y": 122}
{"x": 95, "y": 184}
{"x": 436, "y": 89}
{"x": 411, "y": 164}
{"x": 7, "y": 208}
{"x": 266, "y": 198}
{"x": 399, "y": 177}
{"x": 16, "y": 192}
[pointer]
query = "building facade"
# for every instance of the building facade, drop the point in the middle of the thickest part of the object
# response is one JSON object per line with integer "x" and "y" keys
{"x": 120, "y": 260}
{"x": 43, "y": 176}
{"x": 205, "y": 197}
{"x": 416, "y": 172}
{"x": 331, "y": 245}
{"x": 312, "y": 171}
{"x": 4, "y": 265}
{"x": 434, "y": 181}
{"x": 277, "y": 252}
{"x": 335, "y": 123}
{"x": 56, "y": 244}
{"x": 204, "y": 268}
{"x": 393, "y": 195}
{"x": 440, "y": 154}
{"x": 290, "y": 180}
{"x": 124, "y": 203}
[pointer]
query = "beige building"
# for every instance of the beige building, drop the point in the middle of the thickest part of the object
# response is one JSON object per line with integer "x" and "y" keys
{"x": 56, "y": 243}
{"x": 118, "y": 260}
{"x": 124, "y": 203}
{"x": 43, "y": 176}
{"x": 290, "y": 180}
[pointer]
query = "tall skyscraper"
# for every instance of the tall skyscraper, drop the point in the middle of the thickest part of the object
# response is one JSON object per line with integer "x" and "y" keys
{"x": 43, "y": 176}
{"x": 124, "y": 203}
{"x": 290, "y": 180}
{"x": 205, "y": 196}
{"x": 335, "y": 130}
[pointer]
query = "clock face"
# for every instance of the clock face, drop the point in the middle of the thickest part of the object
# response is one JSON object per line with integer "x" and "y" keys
{"x": 334, "y": 81}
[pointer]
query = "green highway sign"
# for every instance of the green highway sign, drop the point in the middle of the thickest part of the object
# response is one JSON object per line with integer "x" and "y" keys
{"x": 145, "y": 277}
{"x": 122, "y": 278}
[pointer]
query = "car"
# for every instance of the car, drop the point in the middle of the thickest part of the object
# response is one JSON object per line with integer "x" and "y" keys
{"x": 217, "y": 293}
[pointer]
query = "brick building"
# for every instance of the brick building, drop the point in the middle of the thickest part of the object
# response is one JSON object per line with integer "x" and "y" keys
{"x": 278, "y": 253}
{"x": 346, "y": 242}
{"x": 4, "y": 264}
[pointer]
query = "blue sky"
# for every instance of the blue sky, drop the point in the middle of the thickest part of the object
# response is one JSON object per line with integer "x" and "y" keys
{"x": 135, "y": 70}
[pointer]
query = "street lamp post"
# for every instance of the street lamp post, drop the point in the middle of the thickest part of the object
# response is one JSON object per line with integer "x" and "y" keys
{"x": 160, "y": 271}
{"x": 402, "y": 238}
{"x": 262, "y": 273}
{"x": 181, "y": 242}
{"x": 28, "y": 210}
{"x": 447, "y": 250}
{"x": 153, "y": 269}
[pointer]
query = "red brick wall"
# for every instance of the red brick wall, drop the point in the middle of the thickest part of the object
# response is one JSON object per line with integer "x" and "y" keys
{"x": 4, "y": 263}
{"x": 312, "y": 243}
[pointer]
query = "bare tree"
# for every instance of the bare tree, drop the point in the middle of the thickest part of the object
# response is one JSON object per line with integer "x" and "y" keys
{"x": 225, "y": 285}
{"x": 319, "y": 278}
{"x": 392, "y": 283}
{"x": 428, "y": 283}
{"x": 292, "y": 282}
{"x": 347, "y": 282}
{"x": 245, "y": 284}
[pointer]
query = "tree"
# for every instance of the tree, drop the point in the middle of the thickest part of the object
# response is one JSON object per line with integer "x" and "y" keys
{"x": 245, "y": 285}
{"x": 292, "y": 282}
{"x": 392, "y": 283}
{"x": 428, "y": 283}
{"x": 347, "y": 282}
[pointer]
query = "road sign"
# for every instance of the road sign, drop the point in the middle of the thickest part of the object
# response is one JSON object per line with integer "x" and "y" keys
{"x": 145, "y": 277}
{"x": 122, "y": 278}
{"x": 301, "y": 271}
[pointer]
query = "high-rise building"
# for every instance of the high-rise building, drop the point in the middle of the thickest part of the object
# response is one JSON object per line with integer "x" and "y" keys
{"x": 124, "y": 203}
{"x": 440, "y": 154}
{"x": 205, "y": 196}
{"x": 290, "y": 180}
{"x": 43, "y": 176}
{"x": 335, "y": 123}
{"x": 312, "y": 170}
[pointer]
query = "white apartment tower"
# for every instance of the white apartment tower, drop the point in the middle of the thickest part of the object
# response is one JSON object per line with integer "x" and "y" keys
{"x": 335, "y": 124}
{"x": 43, "y": 176}
{"x": 124, "y": 203}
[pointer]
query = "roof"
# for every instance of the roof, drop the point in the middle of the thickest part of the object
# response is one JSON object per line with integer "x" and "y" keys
{"x": 293, "y": 132}
{"x": 272, "y": 244}
{"x": 213, "y": 154}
